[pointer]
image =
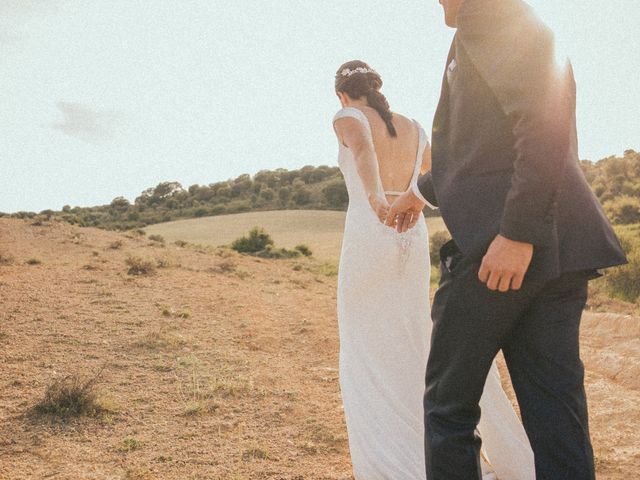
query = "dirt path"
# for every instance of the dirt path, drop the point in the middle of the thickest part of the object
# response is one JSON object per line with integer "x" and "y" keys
{"x": 216, "y": 367}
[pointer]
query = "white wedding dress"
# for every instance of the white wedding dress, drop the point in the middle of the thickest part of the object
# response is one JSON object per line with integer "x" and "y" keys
{"x": 385, "y": 327}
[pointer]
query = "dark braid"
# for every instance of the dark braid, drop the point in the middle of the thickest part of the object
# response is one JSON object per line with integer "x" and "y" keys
{"x": 368, "y": 85}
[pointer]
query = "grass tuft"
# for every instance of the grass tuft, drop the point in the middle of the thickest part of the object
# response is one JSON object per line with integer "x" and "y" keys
{"x": 69, "y": 396}
{"x": 140, "y": 266}
{"x": 116, "y": 245}
{"x": 255, "y": 453}
{"x": 130, "y": 445}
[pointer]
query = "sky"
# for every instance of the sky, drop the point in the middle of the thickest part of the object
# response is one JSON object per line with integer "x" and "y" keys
{"x": 107, "y": 98}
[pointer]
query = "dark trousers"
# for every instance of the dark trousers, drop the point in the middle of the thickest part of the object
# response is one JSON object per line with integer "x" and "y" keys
{"x": 537, "y": 329}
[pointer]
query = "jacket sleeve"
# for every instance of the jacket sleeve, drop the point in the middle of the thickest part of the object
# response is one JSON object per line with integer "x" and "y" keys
{"x": 423, "y": 189}
{"x": 515, "y": 56}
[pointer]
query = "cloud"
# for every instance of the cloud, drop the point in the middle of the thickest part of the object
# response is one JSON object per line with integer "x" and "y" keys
{"x": 86, "y": 124}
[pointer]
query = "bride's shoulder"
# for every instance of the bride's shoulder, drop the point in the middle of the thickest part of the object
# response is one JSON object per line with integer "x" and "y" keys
{"x": 348, "y": 112}
{"x": 399, "y": 117}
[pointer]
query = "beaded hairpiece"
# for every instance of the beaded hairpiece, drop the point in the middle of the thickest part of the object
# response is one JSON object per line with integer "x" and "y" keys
{"x": 347, "y": 72}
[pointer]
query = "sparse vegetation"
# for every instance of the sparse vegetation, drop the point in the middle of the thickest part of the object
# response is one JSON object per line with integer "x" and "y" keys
{"x": 116, "y": 245}
{"x": 624, "y": 209}
{"x": 196, "y": 393}
{"x": 72, "y": 395}
{"x": 33, "y": 261}
{"x": 328, "y": 269}
{"x": 140, "y": 266}
{"x": 623, "y": 282}
{"x": 6, "y": 259}
{"x": 255, "y": 453}
{"x": 130, "y": 445}
{"x": 166, "y": 261}
{"x": 156, "y": 238}
{"x": 260, "y": 349}
{"x": 277, "y": 253}
{"x": 227, "y": 265}
{"x": 159, "y": 339}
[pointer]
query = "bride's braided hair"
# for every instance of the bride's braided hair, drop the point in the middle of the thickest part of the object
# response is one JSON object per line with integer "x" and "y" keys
{"x": 357, "y": 79}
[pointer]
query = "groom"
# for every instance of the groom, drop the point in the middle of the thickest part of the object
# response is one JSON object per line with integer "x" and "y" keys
{"x": 528, "y": 234}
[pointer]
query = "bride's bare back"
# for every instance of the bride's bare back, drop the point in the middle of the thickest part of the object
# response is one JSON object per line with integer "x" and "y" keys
{"x": 396, "y": 155}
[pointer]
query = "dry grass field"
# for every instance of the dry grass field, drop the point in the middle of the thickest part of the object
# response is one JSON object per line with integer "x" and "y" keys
{"x": 321, "y": 230}
{"x": 210, "y": 365}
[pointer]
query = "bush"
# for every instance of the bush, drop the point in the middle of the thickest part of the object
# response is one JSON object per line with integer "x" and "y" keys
{"x": 70, "y": 396}
{"x": 257, "y": 241}
{"x": 335, "y": 193}
{"x": 623, "y": 210}
{"x": 139, "y": 266}
{"x": 301, "y": 196}
{"x": 436, "y": 242}
{"x": 624, "y": 282}
{"x": 304, "y": 250}
{"x": 201, "y": 212}
{"x": 271, "y": 252}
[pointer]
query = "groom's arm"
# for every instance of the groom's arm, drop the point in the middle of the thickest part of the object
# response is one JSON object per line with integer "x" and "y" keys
{"x": 518, "y": 62}
{"x": 542, "y": 138}
{"x": 516, "y": 58}
{"x": 424, "y": 190}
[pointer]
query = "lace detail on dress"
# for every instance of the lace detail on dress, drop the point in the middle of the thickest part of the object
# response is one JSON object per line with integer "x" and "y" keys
{"x": 357, "y": 198}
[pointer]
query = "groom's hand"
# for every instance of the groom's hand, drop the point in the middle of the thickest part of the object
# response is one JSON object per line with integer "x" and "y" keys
{"x": 405, "y": 212}
{"x": 505, "y": 264}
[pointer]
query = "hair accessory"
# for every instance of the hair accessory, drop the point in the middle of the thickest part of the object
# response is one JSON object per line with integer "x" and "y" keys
{"x": 347, "y": 72}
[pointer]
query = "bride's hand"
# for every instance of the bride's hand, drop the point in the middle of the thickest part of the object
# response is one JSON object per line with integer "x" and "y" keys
{"x": 380, "y": 206}
{"x": 405, "y": 212}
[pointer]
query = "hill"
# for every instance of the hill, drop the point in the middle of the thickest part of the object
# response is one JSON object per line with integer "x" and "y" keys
{"x": 320, "y": 230}
{"x": 216, "y": 366}
{"x": 615, "y": 180}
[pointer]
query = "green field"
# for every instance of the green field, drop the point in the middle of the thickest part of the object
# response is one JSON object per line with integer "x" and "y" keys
{"x": 321, "y": 230}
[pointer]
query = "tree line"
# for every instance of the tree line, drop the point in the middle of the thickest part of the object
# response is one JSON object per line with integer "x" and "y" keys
{"x": 615, "y": 180}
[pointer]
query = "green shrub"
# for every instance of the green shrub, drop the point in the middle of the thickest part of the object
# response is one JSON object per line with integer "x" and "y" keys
{"x": 624, "y": 282}
{"x": 304, "y": 250}
{"x": 335, "y": 193}
{"x": 436, "y": 242}
{"x": 623, "y": 210}
{"x": 257, "y": 241}
{"x": 271, "y": 252}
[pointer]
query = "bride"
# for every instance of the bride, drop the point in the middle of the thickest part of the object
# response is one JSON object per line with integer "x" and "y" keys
{"x": 383, "y": 299}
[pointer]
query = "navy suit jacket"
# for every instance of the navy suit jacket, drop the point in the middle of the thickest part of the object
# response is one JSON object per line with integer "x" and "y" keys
{"x": 504, "y": 145}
